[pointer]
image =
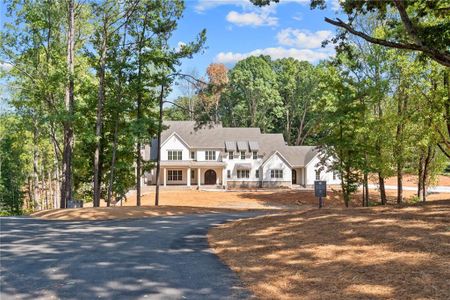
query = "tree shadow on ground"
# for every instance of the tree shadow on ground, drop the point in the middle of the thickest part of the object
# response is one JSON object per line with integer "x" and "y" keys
{"x": 360, "y": 253}
{"x": 152, "y": 258}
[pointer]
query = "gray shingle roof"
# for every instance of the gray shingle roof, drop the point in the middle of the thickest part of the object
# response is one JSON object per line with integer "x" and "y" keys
{"x": 225, "y": 138}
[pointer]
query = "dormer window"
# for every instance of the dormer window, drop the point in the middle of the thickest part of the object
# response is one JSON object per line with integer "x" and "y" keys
{"x": 175, "y": 155}
{"x": 230, "y": 155}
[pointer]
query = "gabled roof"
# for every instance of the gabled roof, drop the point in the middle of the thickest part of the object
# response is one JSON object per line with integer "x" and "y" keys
{"x": 235, "y": 138}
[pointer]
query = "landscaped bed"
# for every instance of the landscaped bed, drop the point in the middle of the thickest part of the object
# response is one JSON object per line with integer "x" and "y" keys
{"x": 338, "y": 253}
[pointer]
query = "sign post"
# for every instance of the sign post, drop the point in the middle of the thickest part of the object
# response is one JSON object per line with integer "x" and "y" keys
{"x": 320, "y": 190}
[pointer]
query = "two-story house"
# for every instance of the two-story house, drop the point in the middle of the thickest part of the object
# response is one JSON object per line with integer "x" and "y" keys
{"x": 233, "y": 158}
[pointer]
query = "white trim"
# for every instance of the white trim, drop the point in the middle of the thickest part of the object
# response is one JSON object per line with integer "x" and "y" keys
{"x": 177, "y": 136}
{"x": 281, "y": 156}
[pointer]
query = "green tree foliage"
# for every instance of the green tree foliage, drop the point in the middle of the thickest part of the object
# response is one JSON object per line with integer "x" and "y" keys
{"x": 89, "y": 145}
{"x": 252, "y": 98}
{"x": 14, "y": 160}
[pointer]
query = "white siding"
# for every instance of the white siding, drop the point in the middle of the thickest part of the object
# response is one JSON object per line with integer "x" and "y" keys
{"x": 326, "y": 175}
{"x": 173, "y": 143}
{"x": 276, "y": 162}
{"x": 231, "y": 166}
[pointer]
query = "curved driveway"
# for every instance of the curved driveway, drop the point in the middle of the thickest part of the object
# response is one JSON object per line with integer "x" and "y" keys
{"x": 152, "y": 258}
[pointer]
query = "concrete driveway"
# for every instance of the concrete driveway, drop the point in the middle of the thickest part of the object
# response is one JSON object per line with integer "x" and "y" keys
{"x": 152, "y": 258}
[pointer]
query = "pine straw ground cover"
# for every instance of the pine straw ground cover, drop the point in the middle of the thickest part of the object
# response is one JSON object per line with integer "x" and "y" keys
{"x": 338, "y": 253}
{"x": 109, "y": 213}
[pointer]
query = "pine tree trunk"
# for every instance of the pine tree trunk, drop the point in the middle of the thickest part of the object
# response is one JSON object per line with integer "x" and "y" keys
{"x": 420, "y": 183}
{"x": 113, "y": 160}
{"x": 158, "y": 145}
{"x": 35, "y": 197}
{"x": 66, "y": 186}
{"x": 99, "y": 119}
{"x": 382, "y": 189}
{"x": 429, "y": 157}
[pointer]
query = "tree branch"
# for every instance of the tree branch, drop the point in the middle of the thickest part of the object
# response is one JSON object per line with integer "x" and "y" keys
{"x": 441, "y": 57}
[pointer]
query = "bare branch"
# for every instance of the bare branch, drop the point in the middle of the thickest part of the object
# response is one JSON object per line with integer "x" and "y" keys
{"x": 442, "y": 57}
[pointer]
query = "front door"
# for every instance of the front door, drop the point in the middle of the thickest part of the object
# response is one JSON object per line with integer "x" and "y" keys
{"x": 294, "y": 177}
{"x": 210, "y": 177}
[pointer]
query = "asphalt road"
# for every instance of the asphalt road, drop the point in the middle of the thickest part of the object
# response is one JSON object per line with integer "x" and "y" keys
{"x": 152, "y": 258}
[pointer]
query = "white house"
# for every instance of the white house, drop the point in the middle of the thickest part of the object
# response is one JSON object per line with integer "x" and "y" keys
{"x": 232, "y": 158}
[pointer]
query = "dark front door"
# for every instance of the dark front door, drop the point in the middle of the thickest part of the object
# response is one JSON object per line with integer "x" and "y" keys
{"x": 294, "y": 177}
{"x": 210, "y": 177}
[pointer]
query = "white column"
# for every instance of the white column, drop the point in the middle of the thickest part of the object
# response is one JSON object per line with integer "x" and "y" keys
{"x": 224, "y": 177}
{"x": 199, "y": 176}
{"x": 188, "y": 179}
{"x": 164, "y": 176}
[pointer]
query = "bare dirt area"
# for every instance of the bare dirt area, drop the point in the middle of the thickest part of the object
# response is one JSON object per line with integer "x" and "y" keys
{"x": 107, "y": 213}
{"x": 263, "y": 199}
{"x": 338, "y": 253}
{"x": 412, "y": 180}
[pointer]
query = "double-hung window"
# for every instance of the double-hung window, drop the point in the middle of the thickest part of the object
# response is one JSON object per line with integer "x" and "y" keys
{"x": 230, "y": 155}
{"x": 192, "y": 154}
{"x": 242, "y": 154}
{"x": 175, "y": 155}
{"x": 243, "y": 174}
{"x": 228, "y": 173}
{"x": 174, "y": 175}
{"x": 276, "y": 173}
{"x": 210, "y": 155}
{"x": 255, "y": 154}
{"x": 257, "y": 174}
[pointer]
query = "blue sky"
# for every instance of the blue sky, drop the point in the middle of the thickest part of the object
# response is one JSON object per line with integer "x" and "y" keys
{"x": 237, "y": 29}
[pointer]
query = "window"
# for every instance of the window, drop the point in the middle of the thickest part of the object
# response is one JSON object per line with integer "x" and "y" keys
{"x": 334, "y": 175}
{"x": 175, "y": 175}
{"x": 228, "y": 173}
{"x": 257, "y": 173}
{"x": 230, "y": 155}
{"x": 317, "y": 174}
{"x": 192, "y": 155}
{"x": 276, "y": 173}
{"x": 210, "y": 155}
{"x": 242, "y": 154}
{"x": 255, "y": 154}
{"x": 243, "y": 173}
{"x": 175, "y": 155}
{"x": 192, "y": 174}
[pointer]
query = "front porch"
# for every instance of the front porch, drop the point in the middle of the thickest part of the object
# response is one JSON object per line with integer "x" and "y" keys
{"x": 194, "y": 174}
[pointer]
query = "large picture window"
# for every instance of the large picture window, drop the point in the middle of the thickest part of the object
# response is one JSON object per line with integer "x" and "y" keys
{"x": 174, "y": 175}
{"x": 210, "y": 155}
{"x": 243, "y": 174}
{"x": 276, "y": 173}
{"x": 175, "y": 155}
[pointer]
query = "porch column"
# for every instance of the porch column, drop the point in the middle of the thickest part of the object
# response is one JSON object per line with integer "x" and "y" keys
{"x": 199, "y": 177}
{"x": 188, "y": 179}
{"x": 164, "y": 176}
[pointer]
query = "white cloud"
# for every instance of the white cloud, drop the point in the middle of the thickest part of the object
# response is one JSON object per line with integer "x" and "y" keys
{"x": 335, "y": 4}
{"x": 276, "y": 53}
{"x": 303, "y": 39}
{"x": 203, "y": 5}
{"x": 251, "y": 19}
{"x": 4, "y": 66}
